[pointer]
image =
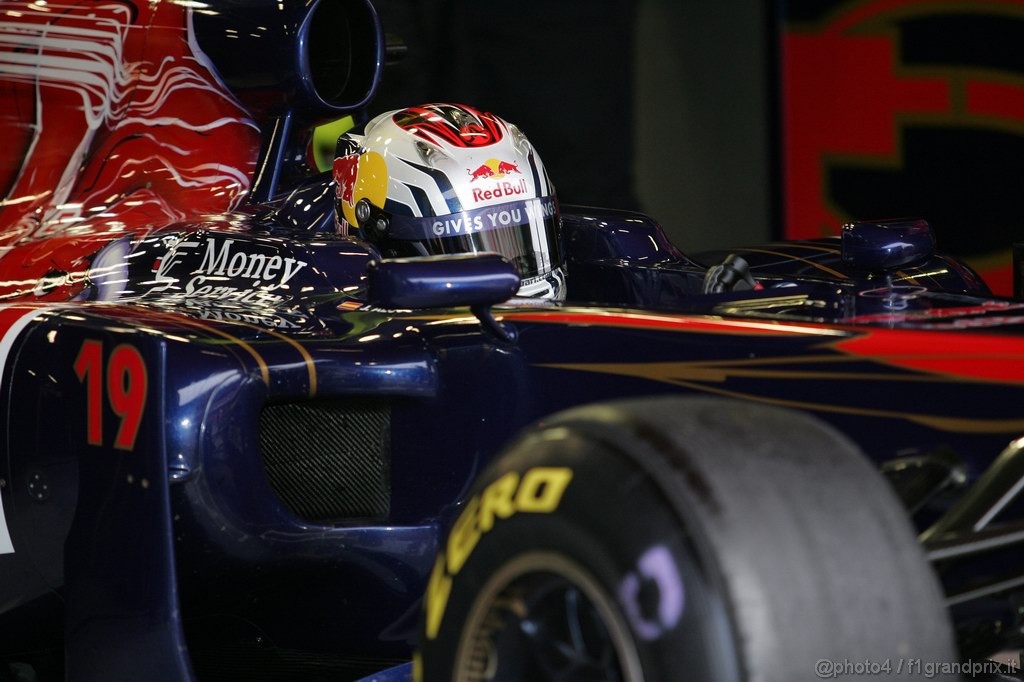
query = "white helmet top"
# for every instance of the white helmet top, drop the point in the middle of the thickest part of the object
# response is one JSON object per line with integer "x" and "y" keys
{"x": 446, "y": 179}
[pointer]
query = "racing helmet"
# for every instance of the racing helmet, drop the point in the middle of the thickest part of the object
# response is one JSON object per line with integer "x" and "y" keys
{"x": 449, "y": 179}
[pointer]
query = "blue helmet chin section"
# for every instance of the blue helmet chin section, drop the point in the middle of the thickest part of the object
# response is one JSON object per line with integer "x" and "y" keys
{"x": 463, "y": 223}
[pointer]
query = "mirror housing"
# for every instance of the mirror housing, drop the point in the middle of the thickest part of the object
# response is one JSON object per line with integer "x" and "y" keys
{"x": 474, "y": 280}
{"x": 887, "y": 244}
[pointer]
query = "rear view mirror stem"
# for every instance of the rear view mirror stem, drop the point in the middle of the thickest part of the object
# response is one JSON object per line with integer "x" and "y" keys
{"x": 504, "y": 332}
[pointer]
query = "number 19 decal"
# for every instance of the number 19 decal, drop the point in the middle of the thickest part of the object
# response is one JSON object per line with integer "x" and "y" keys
{"x": 125, "y": 390}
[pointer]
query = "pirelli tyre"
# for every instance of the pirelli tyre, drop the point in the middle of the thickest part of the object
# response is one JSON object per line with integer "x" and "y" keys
{"x": 675, "y": 539}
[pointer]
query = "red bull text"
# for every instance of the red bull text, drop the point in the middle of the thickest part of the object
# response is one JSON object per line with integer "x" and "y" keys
{"x": 502, "y": 189}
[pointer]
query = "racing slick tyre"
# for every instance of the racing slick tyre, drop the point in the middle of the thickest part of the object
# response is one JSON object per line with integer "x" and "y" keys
{"x": 695, "y": 539}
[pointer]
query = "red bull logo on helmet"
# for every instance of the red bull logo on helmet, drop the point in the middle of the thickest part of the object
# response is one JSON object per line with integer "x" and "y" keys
{"x": 484, "y": 171}
{"x": 345, "y": 171}
{"x": 504, "y": 189}
{"x": 496, "y": 169}
{"x": 358, "y": 176}
{"x": 493, "y": 168}
{"x": 504, "y": 167}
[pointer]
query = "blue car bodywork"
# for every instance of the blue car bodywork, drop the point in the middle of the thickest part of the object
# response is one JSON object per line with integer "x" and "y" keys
{"x": 228, "y": 447}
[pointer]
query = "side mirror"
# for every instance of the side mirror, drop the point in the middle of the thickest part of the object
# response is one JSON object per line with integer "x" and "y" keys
{"x": 887, "y": 244}
{"x": 442, "y": 281}
{"x": 478, "y": 281}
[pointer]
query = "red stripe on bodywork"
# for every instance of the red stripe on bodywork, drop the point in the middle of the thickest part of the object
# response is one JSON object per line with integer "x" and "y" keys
{"x": 670, "y": 323}
{"x": 954, "y": 354}
{"x": 968, "y": 356}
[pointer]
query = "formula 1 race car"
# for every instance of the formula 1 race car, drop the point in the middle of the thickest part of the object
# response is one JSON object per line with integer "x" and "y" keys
{"x": 397, "y": 420}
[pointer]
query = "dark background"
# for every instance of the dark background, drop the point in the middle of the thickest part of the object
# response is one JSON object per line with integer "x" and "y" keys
{"x": 744, "y": 121}
{"x": 657, "y": 105}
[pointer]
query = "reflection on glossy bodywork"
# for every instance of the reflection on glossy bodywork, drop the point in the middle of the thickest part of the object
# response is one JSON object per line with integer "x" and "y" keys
{"x": 114, "y": 122}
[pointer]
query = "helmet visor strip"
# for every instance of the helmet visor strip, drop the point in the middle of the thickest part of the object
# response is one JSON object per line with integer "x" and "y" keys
{"x": 525, "y": 232}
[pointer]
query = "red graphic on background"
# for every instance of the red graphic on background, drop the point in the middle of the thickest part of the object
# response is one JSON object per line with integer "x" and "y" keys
{"x": 843, "y": 97}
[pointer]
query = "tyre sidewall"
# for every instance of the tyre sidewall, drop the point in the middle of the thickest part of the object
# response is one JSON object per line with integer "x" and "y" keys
{"x": 613, "y": 522}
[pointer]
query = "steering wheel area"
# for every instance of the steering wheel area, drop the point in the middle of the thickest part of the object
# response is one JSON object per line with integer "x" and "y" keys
{"x": 732, "y": 274}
